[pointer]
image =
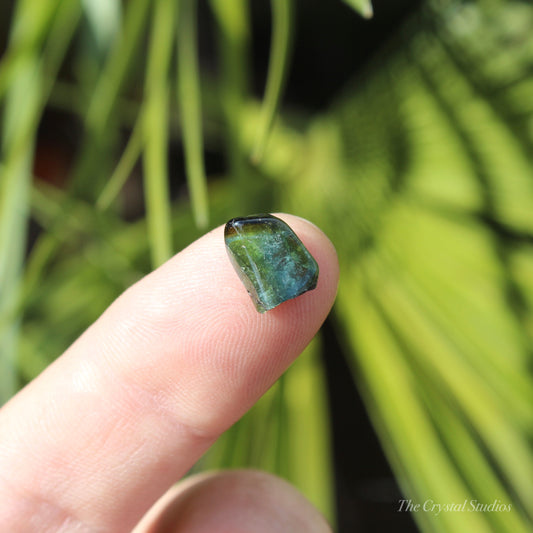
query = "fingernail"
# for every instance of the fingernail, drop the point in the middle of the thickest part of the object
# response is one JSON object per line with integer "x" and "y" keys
{"x": 270, "y": 260}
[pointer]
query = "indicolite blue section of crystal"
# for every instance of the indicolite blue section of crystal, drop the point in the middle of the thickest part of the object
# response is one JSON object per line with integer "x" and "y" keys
{"x": 270, "y": 260}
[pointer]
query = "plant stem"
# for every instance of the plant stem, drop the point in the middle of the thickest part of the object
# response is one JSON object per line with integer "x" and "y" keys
{"x": 156, "y": 132}
{"x": 124, "y": 167}
{"x": 282, "y": 11}
{"x": 191, "y": 114}
{"x": 232, "y": 18}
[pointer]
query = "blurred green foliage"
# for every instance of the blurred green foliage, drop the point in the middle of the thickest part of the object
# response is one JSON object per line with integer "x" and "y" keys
{"x": 421, "y": 173}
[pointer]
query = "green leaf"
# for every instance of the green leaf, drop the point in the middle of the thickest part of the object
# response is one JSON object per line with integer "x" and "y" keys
{"x": 363, "y": 7}
{"x": 104, "y": 20}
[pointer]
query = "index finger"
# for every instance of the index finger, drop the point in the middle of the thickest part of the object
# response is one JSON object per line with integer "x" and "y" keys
{"x": 127, "y": 410}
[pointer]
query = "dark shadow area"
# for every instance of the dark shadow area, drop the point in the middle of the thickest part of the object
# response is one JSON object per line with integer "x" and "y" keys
{"x": 367, "y": 495}
{"x": 331, "y": 44}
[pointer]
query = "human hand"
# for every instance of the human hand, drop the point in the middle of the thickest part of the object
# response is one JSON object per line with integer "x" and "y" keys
{"x": 104, "y": 431}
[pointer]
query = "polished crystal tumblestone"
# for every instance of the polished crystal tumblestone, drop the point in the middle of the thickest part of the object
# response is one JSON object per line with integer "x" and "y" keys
{"x": 270, "y": 259}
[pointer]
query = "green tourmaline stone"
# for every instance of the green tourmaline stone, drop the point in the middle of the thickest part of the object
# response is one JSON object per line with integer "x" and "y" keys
{"x": 270, "y": 259}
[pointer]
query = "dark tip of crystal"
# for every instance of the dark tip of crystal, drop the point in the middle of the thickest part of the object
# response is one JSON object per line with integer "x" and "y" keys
{"x": 270, "y": 259}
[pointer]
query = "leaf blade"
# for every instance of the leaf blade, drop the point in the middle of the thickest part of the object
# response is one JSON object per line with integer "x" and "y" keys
{"x": 363, "y": 7}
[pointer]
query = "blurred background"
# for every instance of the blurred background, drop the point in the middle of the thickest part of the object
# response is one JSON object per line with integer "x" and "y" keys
{"x": 129, "y": 128}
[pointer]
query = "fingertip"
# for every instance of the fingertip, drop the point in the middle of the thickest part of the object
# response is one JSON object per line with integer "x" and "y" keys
{"x": 200, "y": 323}
{"x": 237, "y": 501}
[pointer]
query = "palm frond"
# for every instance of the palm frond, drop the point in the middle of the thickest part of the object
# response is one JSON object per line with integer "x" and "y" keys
{"x": 425, "y": 186}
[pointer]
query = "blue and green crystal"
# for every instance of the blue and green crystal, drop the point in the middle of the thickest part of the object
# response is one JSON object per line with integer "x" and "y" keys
{"x": 270, "y": 259}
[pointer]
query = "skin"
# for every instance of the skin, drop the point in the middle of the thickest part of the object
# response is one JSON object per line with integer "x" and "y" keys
{"x": 101, "y": 434}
